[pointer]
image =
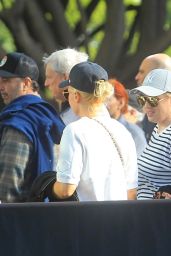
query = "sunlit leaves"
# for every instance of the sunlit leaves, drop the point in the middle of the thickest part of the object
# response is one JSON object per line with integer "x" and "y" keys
{"x": 6, "y": 4}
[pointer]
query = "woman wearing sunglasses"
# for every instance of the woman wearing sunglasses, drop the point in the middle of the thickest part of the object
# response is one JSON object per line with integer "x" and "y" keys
{"x": 94, "y": 158}
{"x": 154, "y": 164}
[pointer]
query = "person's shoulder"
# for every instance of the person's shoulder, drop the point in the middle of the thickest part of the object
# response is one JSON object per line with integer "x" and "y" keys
{"x": 133, "y": 128}
{"x": 118, "y": 126}
{"x": 123, "y": 135}
{"x": 76, "y": 128}
{"x": 68, "y": 116}
{"x": 136, "y": 128}
{"x": 10, "y": 133}
{"x": 79, "y": 123}
{"x": 74, "y": 125}
{"x": 137, "y": 132}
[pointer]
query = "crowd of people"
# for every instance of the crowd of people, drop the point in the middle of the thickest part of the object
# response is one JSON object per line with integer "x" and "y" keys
{"x": 90, "y": 143}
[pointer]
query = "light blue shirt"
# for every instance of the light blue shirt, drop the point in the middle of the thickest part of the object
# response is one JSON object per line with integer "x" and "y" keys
{"x": 137, "y": 134}
{"x": 68, "y": 116}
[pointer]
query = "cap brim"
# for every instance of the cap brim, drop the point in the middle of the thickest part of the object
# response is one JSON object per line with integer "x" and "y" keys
{"x": 64, "y": 84}
{"x": 133, "y": 102}
{"x": 7, "y": 74}
{"x": 147, "y": 90}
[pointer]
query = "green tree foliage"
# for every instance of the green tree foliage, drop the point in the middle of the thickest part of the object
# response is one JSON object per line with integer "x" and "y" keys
{"x": 117, "y": 34}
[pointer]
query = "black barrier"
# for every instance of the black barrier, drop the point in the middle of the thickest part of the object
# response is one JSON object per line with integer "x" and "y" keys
{"x": 121, "y": 228}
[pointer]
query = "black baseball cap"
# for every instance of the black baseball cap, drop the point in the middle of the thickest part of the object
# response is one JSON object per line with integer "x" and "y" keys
{"x": 84, "y": 75}
{"x": 17, "y": 64}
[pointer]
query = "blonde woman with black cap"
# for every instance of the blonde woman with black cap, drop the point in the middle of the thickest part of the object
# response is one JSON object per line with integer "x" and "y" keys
{"x": 97, "y": 155}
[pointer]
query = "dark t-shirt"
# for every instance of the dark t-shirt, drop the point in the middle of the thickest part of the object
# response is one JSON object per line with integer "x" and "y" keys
{"x": 147, "y": 127}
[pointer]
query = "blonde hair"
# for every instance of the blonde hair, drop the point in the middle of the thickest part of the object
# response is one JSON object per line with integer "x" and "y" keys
{"x": 103, "y": 90}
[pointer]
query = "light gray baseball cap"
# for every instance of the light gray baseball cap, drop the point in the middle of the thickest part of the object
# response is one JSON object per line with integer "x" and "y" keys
{"x": 157, "y": 82}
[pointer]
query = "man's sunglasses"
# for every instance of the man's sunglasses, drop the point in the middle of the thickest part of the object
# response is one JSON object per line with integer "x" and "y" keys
{"x": 66, "y": 94}
{"x": 152, "y": 101}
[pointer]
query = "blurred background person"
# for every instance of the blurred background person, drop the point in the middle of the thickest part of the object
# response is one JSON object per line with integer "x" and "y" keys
{"x": 155, "y": 61}
{"x": 134, "y": 114}
{"x": 117, "y": 105}
{"x": 57, "y": 69}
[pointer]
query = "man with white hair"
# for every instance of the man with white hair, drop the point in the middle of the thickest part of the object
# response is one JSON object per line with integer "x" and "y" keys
{"x": 57, "y": 69}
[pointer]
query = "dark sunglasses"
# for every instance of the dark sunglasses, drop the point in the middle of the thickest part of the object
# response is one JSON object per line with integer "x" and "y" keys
{"x": 152, "y": 101}
{"x": 66, "y": 94}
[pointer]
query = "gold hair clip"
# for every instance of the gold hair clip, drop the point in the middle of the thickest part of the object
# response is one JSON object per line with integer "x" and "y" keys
{"x": 99, "y": 88}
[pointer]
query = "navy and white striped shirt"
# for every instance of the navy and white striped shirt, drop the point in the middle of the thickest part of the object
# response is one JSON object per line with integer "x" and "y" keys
{"x": 154, "y": 164}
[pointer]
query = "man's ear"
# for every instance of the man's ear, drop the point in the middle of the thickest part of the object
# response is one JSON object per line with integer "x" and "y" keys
{"x": 27, "y": 83}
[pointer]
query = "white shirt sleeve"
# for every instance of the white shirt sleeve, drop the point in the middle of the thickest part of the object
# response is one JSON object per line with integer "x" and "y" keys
{"x": 70, "y": 163}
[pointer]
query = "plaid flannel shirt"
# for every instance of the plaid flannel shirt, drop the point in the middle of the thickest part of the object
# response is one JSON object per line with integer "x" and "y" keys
{"x": 15, "y": 158}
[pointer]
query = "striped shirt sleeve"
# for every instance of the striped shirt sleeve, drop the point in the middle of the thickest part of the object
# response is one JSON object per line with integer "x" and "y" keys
{"x": 154, "y": 165}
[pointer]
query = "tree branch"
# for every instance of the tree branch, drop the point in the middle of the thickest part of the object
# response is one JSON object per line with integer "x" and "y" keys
{"x": 38, "y": 27}
{"x": 113, "y": 36}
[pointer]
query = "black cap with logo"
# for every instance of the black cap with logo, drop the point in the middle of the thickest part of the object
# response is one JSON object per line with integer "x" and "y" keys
{"x": 17, "y": 64}
{"x": 83, "y": 76}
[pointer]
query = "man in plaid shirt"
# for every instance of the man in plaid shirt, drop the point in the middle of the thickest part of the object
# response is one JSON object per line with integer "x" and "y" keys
{"x": 30, "y": 128}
